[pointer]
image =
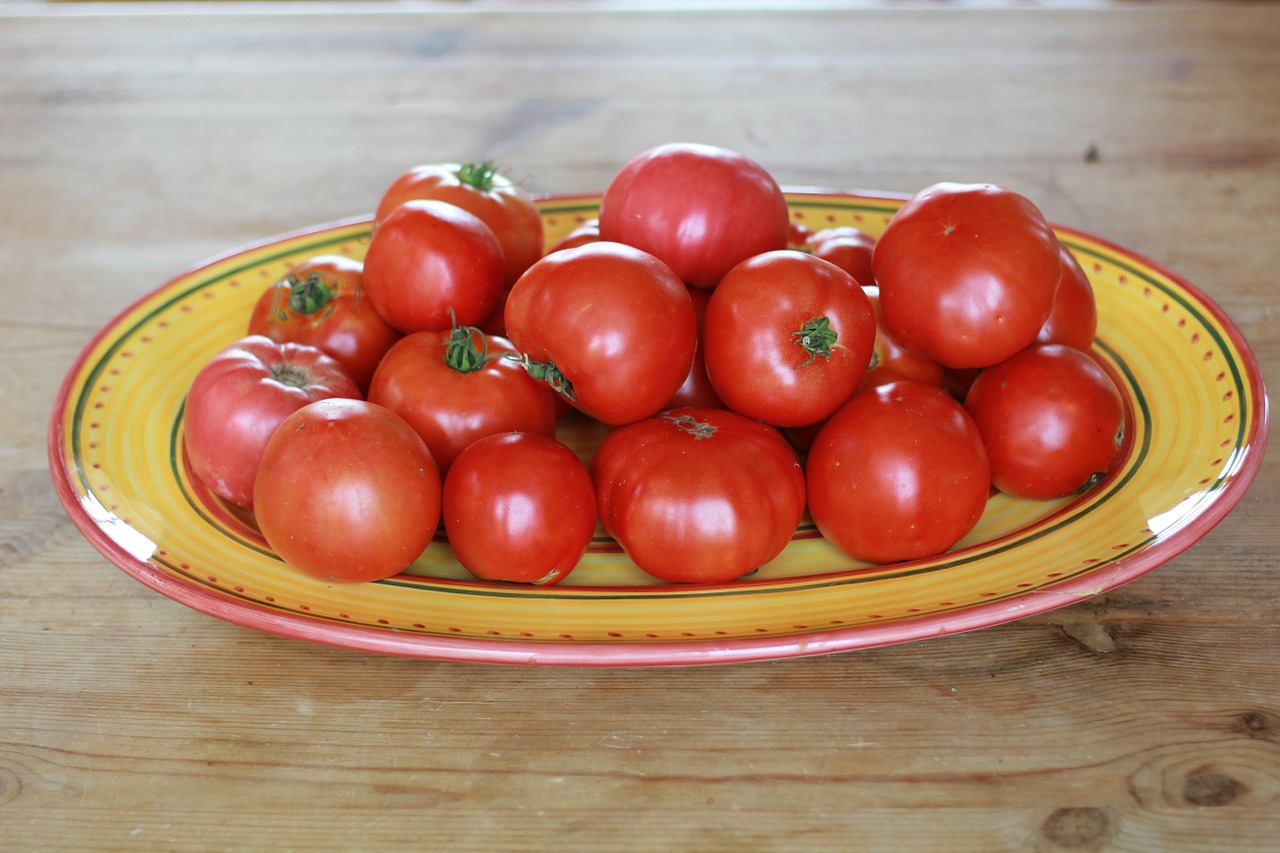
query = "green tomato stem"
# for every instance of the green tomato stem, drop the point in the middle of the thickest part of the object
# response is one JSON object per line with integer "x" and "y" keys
{"x": 815, "y": 337}
{"x": 478, "y": 175}
{"x": 310, "y": 295}
{"x": 546, "y": 371}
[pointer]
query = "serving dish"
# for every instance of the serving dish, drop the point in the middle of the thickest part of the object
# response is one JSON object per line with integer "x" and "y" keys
{"x": 1196, "y": 430}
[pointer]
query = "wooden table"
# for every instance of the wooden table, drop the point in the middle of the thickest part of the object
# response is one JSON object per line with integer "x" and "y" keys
{"x": 137, "y": 140}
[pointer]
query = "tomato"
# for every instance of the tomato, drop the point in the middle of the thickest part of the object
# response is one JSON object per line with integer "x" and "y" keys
{"x": 967, "y": 273}
{"x": 458, "y": 386}
{"x": 698, "y": 495}
{"x": 587, "y": 232}
{"x": 699, "y": 208}
{"x": 347, "y": 492}
{"x": 899, "y": 473}
{"x": 1051, "y": 420}
{"x": 609, "y": 327}
{"x": 479, "y": 189}
{"x": 321, "y": 302}
{"x": 847, "y": 247}
{"x": 238, "y": 399}
{"x": 788, "y": 337}
{"x": 697, "y": 390}
{"x": 798, "y": 235}
{"x": 430, "y": 264}
{"x": 892, "y": 363}
{"x": 1074, "y": 318}
{"x": 519, "y": 507}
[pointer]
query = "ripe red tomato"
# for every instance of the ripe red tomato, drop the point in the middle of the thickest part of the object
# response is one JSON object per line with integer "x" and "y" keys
{"x": 587, "y": 232}
{"x": 431, "y": 264}
{"x": 899, "y": 473}
{"x": 788, "y": 337}
{"x": 1074, "y": 318}
{"x": 698, "y": 495}
{"x": 519, "y": 507}
{"x": 238, "y": 399}
{"x": 847, "y": 247}
{"x": 347, "y": 492}
{"x": 458, "y": 386}
{"x": 697, "y": 390}
{"x": 1051, "y": 420}
{"x": 479, "y": 189}
{"x": 967, "y": 273}
{"x": 892, "y": 363}
{"x": 609, "y": 327}
{"x": 321, "y": 303}
{"x": 699, "y": 208}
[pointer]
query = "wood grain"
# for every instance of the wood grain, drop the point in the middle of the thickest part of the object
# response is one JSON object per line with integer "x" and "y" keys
{"x": 134, "y": 145}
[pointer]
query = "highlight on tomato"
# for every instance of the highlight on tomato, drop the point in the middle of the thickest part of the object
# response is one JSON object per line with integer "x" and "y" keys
{"x": 322, "y": 303}
{"x": 701, "y": 209}
{"x": 519, "y": 507}
{"x": 698, "y": 495}
{"x": 848, "y": 247}
{"x": 455, "y": 387}
{"x": 347, "y": 492}
{"x": 967, "y": 273}
{"x": 899, "y": 473}
{"x": 238, "y": 399}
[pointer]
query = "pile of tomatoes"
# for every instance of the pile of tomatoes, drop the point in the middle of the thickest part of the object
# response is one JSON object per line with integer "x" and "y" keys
{"x": 746, "y": 370}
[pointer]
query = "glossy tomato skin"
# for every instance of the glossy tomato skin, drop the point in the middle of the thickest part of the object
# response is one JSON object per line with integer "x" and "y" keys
{"x": 847, "y": 247}
{"x": 787, "y": 338}
{"x": 458, "y": 386}
{"x": 347, "y": 492}
{"x": 609, "y": 326}
{"x": 479, "y": 189}
{"x": 697, "y": 389}
{"x": 238, "y": 399}
{"x": 967, "y": 273}
{"x": 431, "y": 264}
{"x": 1051, "y": 420}
{"x": 699, "y": 208}
{"x": 899, "y": 473}
{"x": 519, "y": 507}
{"x": 698, "y": 495}
{"x": 1074, "y": 318}
{"x": 321, "y": 303}
{"x": 890, "y": 362}
{"x": 587, "y": 232}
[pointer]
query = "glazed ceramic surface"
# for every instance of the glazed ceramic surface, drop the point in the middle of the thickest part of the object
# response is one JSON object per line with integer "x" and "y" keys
{"x": 1196, "y": 429}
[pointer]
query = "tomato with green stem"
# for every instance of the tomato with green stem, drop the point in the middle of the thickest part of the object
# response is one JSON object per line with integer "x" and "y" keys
{"x": 321, "y": 303}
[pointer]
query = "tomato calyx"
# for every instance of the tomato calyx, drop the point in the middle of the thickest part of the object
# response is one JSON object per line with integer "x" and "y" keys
{"x": 816, "y": 337}
{"x": 478, "y": 175}
{"x": 688, "y": 423}
{"x": 546, "y": 371}
{"x": 460, "y": 352}
{"x": 309, "y": 296}
{"x": 290, "y": 374}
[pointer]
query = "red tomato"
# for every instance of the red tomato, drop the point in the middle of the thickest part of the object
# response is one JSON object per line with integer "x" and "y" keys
{"x": 1074, "y": 318}
{"x": 430, "y": 264}
{"x": 697, "y": 390}
{"x": 477, "y": 188}
{"x": 698, "y": 208}
{"x": 321, "y": 302}
{"x": 848, "y": 248}
{"x": 798, "y": 235}
{"x": 458, "y": 386}
{"x": 899, "y": 473}
{"x": 967, "y": 273}
{"x": 1050, "y": 418}
{"x": 698, "y": 495}
{"x": 892, "y": 363}
{"x": 347, "y": 492}
{"x": 587, "y": 232}
{"x": 519, "y": 507}
{"x": 788, "y": 337}
{"x": 239, "y": 398}
{"x": 609, "y": 327}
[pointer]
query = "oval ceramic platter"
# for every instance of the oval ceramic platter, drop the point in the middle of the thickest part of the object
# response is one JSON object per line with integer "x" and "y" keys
{"x": 1197, "y": 427}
